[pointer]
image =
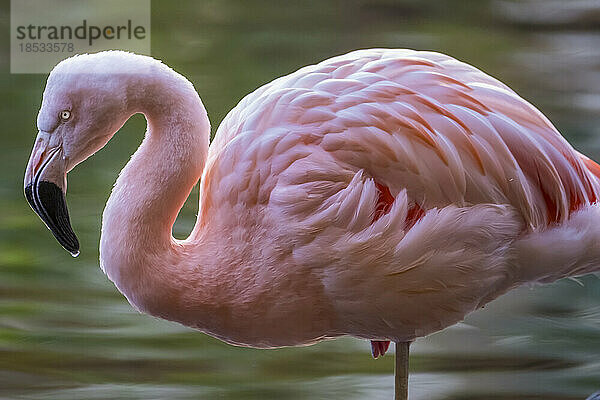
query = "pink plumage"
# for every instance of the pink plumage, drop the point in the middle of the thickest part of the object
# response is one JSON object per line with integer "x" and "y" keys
{"x": 382, "y": 194}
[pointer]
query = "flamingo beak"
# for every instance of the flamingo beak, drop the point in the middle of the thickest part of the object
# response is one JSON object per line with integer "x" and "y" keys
{"x": 45, "y": 187}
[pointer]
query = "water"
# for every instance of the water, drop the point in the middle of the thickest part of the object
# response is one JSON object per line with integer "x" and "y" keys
{"x": 66, "y": 333}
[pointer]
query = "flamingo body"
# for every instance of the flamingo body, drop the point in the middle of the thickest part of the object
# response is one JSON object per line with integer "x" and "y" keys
{"x": 382, "y": 194}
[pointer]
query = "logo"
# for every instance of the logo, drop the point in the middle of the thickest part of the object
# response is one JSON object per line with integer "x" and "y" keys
{"x": 44, "y": 32}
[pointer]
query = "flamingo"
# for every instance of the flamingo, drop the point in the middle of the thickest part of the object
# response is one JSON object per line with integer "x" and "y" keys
{"x": 383, "y": 194}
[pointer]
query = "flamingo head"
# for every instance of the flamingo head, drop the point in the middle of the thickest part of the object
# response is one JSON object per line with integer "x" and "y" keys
{"x": 83, "y": 105}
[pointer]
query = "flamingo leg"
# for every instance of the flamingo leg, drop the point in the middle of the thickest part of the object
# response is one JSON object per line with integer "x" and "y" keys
{"x": 379, "y": 347}
{"x": 401, "y": 372}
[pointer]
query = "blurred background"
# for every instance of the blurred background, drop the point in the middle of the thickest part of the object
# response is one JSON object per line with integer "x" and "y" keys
{"x": 65, "y": 331}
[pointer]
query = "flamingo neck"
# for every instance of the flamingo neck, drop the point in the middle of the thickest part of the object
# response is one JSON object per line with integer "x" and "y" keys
{"x": 137, "y": 250}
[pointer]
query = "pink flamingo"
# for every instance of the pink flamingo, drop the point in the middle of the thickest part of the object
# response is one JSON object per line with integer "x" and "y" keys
{"x": 382, "y": 194}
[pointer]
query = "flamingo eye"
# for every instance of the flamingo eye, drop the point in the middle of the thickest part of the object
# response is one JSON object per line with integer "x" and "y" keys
{"x": 65, "y": 115}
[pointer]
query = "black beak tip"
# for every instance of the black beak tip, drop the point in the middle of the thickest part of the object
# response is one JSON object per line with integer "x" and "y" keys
{"x": 48, "y": 202}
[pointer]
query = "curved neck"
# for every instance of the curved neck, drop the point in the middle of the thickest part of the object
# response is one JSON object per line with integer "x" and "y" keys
{"x": 137, "y": 249}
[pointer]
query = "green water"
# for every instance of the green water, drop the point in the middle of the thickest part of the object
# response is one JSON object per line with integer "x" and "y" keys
{"x": 66, "y": 333}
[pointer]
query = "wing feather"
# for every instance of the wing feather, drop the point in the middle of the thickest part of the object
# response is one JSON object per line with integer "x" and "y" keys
{"x": 419, "y": 122}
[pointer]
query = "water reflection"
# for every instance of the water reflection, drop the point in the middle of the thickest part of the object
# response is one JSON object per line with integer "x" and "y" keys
{"x": 65, "y": 332}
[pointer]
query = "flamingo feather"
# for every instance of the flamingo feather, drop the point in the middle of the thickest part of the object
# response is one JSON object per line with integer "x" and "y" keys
{"x": 383, "y": 194}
